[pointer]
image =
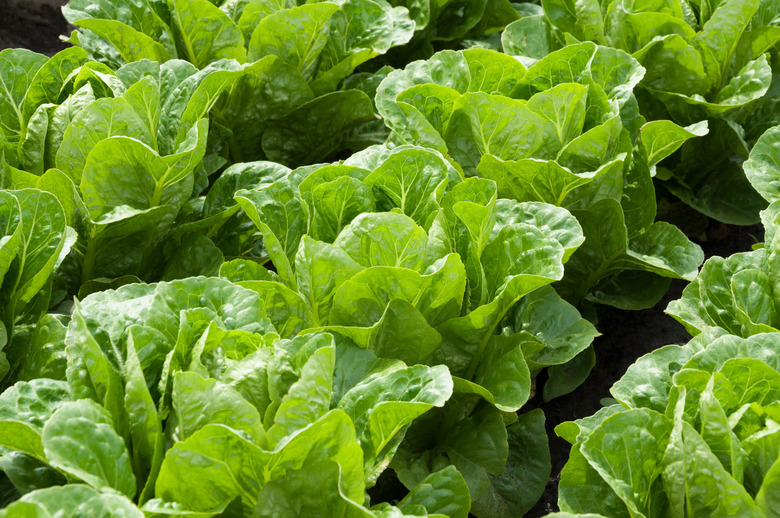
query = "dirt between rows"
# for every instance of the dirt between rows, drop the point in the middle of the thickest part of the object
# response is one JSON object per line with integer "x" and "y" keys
{"x": 625, "y": 335}
{"x": 34, "y": 25}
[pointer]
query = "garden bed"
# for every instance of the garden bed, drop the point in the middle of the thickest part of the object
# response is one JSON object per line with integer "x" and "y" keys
{"x": 625, "y": 335}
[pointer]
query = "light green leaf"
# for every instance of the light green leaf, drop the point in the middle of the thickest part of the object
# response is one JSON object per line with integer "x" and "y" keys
{"x": 51, "y": 80}
{"x": 297, "y": 36}
{"x": 320, "y": 270}
{"x": 532, "y": 179}
{"x": 530, "y": 36}
{"x": 267, "y": 89}
{"x": 102, "y": 119}
{"x": 554, "y": 222}
{"x": 50, "y": 501}
{"x": 109, "y": 506}
{"x": 337, "y": 203}
{"x": 718, "y": 40}
{"x": 227, "y": 465}
{"x": 717, "y": 433}
{"x": 556, "y": 323}
{"x": 767, "y": 499}
{"x": 763, "y": 166}
{"x": 123, "y": 171}
{"x": 198, "y": 402}
{"x": 438, "y": 294}
{"x": 308, "y": 399}
{"x": 79, "y": 438}
{"x": 749, "y": 84}
{"x": 695, "y": 479}
{"x": 493, "y": 72}
{"x": 131, "y": 44}
{"x": 358, "y": 31}
{"x": 41, "y": 238}
{"x": 638, "y": 438}
{"x": 647, "y": 382}
{"x": 205, "y": 33}
{"x": 287, "y": 310}
{"x": 507, "y": 128}
{"x": 385, "y": 239}
{"x": 384, "y": 403}
{"x": 446, "y": 68}
{"x": 146, "y": 431}
{"x": 664, "y": 250}
{"x": 281, "y": 216}
{"x": 662, "y": 138}
{"x": 315, "y": 490}
{"x": 413, "y": 180}
{"x": 582, "y": 489}
{"x": 18, "y": 69}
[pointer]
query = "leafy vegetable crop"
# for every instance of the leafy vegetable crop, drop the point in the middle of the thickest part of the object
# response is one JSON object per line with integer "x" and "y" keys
{"x": 559, "y": 132}
{"x": 394, "y": 288}
{"x": 691, "y": 433}
{"x": 256, "y": 255}
{"x": 738, "y": 294}
{"x": 712, "y": 428}
{"x": 198, "y": 363}
{"x": 704, "y": 61}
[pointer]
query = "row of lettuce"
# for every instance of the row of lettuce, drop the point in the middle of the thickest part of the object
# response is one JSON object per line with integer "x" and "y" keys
{"x": 694, "y": 429}
{"x": 204, "y": 314}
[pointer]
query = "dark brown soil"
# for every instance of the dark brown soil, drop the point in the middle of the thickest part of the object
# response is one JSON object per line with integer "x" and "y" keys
{"x": 31, "y": 26}
{"x": 625, "y": 335}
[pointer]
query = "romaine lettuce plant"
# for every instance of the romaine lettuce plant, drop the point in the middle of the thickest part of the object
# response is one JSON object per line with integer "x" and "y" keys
{"x": 121, "y": 153}
{"x": 125, "y": 151}
{"x": 559, "y": 132}
{"x": 693, "y": 432}
{"x": 169, "y": 383}
{"x": 324, "y": 41}
{"x": 739, "y": 293}
{"x": 704, "y": 61}
{"x": 34, "y": 240}
{"x": 295, "y": 58}
{"x": 696, "y": 423}
{"x": 396, "y": 251}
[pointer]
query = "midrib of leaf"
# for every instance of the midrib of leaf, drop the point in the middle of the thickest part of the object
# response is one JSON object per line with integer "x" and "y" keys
{"x": 185, "y": 39}
{"x": 23, "y": 262}
{"x": 722, "y": 67}
{"x": 594, "y": 276}
{"x": 159, "y": 186}
{"x": 343, "y": 206}
{"x": 150, "y": 118}
{"x": 654, "y": 152}
{"x": 485, "y": 339}
{"x": 89, "y": 257}
{"x": 309, "y": 45}
{"x": 239, "y": 486}
{"x": 13, "y": 105}
{"x": 401, "y": 254}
